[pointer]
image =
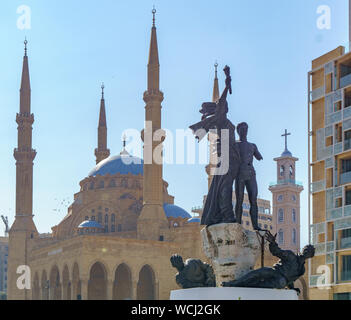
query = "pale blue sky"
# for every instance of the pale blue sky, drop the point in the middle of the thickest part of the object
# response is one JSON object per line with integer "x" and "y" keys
{"x": 75, "y": 45}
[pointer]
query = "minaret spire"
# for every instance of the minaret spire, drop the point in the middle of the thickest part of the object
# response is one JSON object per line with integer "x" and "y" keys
{"x": 152, "y": 220}
{"x": 215, "y": 95}
{"x": 101, "y": 152}
{"x": 153, "y": 64}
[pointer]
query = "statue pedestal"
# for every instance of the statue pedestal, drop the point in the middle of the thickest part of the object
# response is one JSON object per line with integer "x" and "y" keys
{"x": 227, "y": 293}
{"x": 232, "y": 250}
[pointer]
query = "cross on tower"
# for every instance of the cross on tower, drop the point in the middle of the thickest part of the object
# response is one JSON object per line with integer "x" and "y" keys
{"x": 285, "y": 135}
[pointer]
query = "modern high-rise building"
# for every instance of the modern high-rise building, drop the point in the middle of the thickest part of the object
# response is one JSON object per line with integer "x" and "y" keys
{"x": 329, "y": 104}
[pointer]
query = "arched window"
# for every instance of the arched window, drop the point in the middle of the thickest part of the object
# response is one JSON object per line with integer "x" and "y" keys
{"x": 99, "y": 217}
{"x": 106, "y": 218}
{"x": 291, "y": 171}
{"x": 294, "y": 236}
{"x": 280, "y": 215}
{"x": 282, "y": 169}
{"x": 293, "y": 215}
{"x": 106, "y": 228}
{"x": 113, "y": 217}
{"x": 281, "y": 236}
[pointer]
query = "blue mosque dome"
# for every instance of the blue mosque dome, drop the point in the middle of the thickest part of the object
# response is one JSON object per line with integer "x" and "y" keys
{"x": 124, "y": 163}
{"x": 90, "y": 224}
{"x": 194, "y": 220}
{"x": 174, "y": 211}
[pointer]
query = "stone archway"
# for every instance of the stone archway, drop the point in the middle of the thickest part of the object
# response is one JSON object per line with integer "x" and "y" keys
{"x": 44, "y": 286}
{"x": 97, "y": 285}
{"x": 36, "y": 288}
{"x": 55, "y": 284}
{"x": 66, "y": 284}
{"x": 146, "y": 285}
{"x": 76, "y": 284}
{"x": 122, "y": 285}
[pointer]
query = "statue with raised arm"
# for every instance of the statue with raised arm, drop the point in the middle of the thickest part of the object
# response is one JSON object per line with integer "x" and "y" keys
{"x": 283, "y": 274}
{"x": 246, "y": 176}
{"x": 218, "y": 207}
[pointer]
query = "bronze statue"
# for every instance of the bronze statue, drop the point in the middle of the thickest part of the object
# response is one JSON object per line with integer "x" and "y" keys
{"x": 283, "y": 274}
{"x": 193, "y": 274}
{"x": 246, "y": 176}
{"x": 219, "y": 206}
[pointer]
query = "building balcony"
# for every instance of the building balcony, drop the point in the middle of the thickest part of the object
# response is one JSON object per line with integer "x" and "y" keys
{"x": 345, "y": 81}
{"x": 345, "y": 243}
{"x": 345, "y": 177}
{"x": 286, "y": 181}
{"x": 347, "y": 144}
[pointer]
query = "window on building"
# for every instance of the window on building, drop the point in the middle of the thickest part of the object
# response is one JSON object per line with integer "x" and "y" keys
{"x": 280, "y": 215}
{"x": 281, "y": 236}
{"x": 113, "y": 228}
{"x": 346, "y": 268}
{"x": 106, "y": 218}
{"x": 291, "y": 171}
{"x": 101, "y": 184}
{"x": 293, "y": 216}
{"x": 119, "y": 228}
{"x": 113, "y": 217}
{"x": 294, "y": 236}
{"x": 92, "y": 218}
{"x": 112, "y": 183}
{"x": 347, "y": 197}
{"x": 99, "y": 217}
{"x": 282, "y": 169}
{"x": 280, "y": 198}
{"x": 161, "y": 238}
{"x": 86, "y": 218}
{"x": 106, "y": 228}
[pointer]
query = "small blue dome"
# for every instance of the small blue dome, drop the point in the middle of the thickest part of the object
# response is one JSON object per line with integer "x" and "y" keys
{"x": 194, "y": 220}
{"x": 90, "y": 224}
{"x": 174, "y": 211}
{"x": 286, "y": 153}
{"x": 123, "y": 164}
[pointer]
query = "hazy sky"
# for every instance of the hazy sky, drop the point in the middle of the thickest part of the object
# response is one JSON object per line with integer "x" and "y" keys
{"x": 75, "y": 45}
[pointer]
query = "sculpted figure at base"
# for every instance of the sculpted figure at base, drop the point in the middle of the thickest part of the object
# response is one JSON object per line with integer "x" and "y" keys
{"x": 246, "y": 176}
{"x": 218, "y": 207}
{"x": 281, "y": 275}
{"x": 193, "y": 274}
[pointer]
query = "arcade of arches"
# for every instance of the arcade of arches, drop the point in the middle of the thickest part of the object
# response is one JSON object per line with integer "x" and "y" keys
{"x": 67, "y": 284}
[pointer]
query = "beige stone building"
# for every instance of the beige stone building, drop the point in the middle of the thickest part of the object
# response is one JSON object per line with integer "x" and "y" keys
{"x": 329, "y": 160}
{"x": 122, "y": 228}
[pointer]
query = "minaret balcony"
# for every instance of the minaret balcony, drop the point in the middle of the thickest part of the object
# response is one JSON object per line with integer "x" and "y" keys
{"x": 286, "y": 182}
{"x": 153, "y": 95}
{"x": 25, "y": 117}
{"x": 24, "y": 154}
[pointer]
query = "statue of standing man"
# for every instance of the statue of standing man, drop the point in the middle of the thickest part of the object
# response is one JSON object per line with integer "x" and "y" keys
{"x": 246, "y": 176}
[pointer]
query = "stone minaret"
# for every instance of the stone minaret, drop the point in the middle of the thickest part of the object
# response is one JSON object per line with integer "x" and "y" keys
{"x": 23, "y": 228}
{"x": 152, "y": 218}
{"x": 286, "y": 201}
{"x": 212, "y": 137}
{"x": 101, "y": 152}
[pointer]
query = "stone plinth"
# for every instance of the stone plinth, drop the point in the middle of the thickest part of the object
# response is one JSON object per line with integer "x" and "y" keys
{"x": 227, "y": 293}
{"x": 232, "y": 250}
